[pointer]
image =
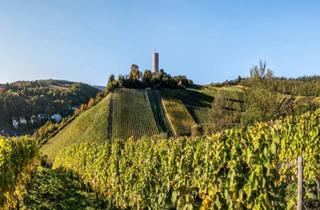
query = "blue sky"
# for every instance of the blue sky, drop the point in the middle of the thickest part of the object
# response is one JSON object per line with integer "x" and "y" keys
{"x": 206, "y": 40}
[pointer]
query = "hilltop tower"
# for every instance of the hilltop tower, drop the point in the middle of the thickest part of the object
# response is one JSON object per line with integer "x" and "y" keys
{"x": 155, "y": 62}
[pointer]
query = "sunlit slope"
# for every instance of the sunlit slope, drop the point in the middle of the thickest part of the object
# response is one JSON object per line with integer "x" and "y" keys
{"x": 132, "y": 114}
{"x": 89, "y": 126}
{"x": 178, "y": 116}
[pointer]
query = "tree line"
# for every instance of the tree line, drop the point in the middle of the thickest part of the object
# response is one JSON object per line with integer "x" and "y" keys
{"x": 147, "y": 79}
{"x": 300, "y": 86}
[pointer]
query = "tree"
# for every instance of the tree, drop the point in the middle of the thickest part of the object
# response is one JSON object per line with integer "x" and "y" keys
{"x": 111, "y": 79}
{"x": 260, "y": 72}
{"x": 111, "y": 82}
{"x": 261, "y": 99}
{"x": 135, "y": 74}
{"x": 147, "y": 76}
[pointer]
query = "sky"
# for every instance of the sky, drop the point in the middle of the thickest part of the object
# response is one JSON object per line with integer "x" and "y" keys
{"x": 206, "y": 40}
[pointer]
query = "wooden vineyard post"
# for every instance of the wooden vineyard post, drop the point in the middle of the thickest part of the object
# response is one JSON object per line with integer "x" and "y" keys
{"x": 300, "y": 182}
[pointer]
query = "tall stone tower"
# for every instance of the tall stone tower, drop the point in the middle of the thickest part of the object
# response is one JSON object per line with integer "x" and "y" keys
{"x": 155, "y": 62}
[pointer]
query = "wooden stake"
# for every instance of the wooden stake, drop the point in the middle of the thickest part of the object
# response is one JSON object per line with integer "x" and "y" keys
{"x": 300, "y": 182}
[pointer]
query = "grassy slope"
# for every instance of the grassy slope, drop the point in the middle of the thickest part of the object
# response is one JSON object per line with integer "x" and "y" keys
{"x": 132, "y": 114}
{"x": 197, "y": 100}
{"x": 89, "y": 126}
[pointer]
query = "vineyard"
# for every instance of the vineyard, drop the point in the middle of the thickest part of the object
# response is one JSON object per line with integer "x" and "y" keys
{"x": 242, "y": 168}
{"x": 17, "y": 160}
{"x": 248, "y": 168}
{"x": 178, "y": 116}
{"x": 89, "y": 126}
{"x": 54, "y": 189}
{"x": 155, "y": 102}
{"x": 132, "y": 114}
{"x": 198, "y": 100}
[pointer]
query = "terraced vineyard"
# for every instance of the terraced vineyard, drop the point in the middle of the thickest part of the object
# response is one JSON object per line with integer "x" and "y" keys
{"x": 178, "y": 116}
{"x": 132, "y": 114}
{"x": 198, "y": 100}
{"x": 89, "y": 126}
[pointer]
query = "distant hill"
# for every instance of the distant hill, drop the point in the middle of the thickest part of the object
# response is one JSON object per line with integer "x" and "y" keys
{"x": 29, "y": 104}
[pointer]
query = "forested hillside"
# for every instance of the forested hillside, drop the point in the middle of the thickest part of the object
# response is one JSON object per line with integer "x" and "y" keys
{"x": 25, "y": 105}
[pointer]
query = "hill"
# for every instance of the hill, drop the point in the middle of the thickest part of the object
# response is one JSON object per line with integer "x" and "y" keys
{"x": 26, "y": 105}
{"x": 114, "y": 150}
{"x": 126, "y": 113}
{"x": 157, "y": 104}
{"x": 121, "y": 114}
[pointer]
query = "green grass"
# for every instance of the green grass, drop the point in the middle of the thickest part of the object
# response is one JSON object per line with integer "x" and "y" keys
{"x": 50, "y": 189}
{"x": 178, "y": 116}
{"x": 207, "y": 90}
{"x": 132, "y": 114}
{"x": 89, "y": 126}
{"x": 212, "y": 91}
{"x": 189, "y": 97}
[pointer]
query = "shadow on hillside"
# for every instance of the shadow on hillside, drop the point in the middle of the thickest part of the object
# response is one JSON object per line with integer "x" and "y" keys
{"x": 51, "y": 189}
{"x": 188, "y": 97}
